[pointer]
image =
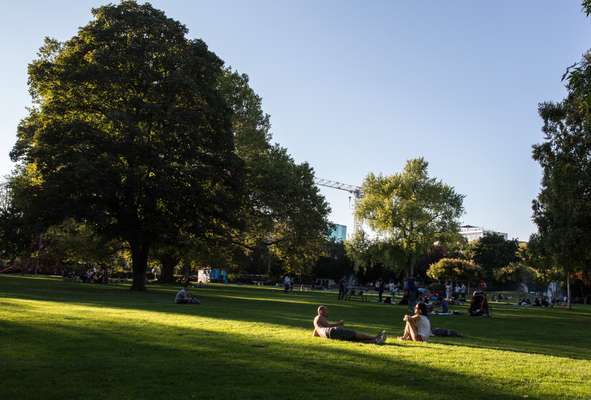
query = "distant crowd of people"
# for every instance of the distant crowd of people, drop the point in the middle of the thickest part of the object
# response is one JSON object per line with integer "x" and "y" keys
{"x": 540, "y": 301}
{"x": 91, "y": 275}
{"x": 421, "y": 303}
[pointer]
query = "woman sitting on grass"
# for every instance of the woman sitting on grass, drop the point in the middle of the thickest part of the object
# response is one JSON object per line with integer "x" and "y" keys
{"x": 418, "y": 326}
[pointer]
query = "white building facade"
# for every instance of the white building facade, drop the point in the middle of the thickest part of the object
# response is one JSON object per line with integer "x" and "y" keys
{"x": 472, "y": 233}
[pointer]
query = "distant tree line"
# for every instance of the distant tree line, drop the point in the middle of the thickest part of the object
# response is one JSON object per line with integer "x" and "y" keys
{"x": 142, "y": 150}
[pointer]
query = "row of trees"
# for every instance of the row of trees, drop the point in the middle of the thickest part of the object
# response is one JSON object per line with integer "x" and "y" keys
{"x": 141, "y": 143}
{"x": 562, "y": 210}
{"x": 140, "y": 136}
{"x": 500, "y": 262}
{"x": 415, "y": 220}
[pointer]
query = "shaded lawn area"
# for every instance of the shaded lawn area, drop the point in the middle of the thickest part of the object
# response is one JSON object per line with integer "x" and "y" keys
{"x": 77, "y": 341}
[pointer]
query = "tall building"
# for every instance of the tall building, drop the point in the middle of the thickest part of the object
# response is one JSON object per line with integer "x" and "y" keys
{"x": 472, "y": 233}
{"x": 339, "y": 233}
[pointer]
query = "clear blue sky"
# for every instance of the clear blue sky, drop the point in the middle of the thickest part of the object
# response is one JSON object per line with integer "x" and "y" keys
{"x": 356, "y": 87}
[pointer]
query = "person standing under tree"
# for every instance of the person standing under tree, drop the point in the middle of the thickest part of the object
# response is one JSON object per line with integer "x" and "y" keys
{"x": 380, "y": 290}
{"x": 449, "y": 290}
{"x": 411, "y": 290}
{"x": 342, "y": 289}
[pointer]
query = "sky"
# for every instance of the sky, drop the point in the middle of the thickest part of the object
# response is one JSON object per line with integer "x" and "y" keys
{"x": 355, "y": 87}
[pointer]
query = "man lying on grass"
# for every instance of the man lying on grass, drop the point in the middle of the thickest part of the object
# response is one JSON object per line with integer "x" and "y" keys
{"x": 184, "y": 297}
{"x": 324, "y": 328}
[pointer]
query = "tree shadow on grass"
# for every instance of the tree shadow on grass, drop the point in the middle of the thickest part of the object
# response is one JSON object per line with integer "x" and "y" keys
{"x": 129, "y": 361}
{"x": 566, "y": 338}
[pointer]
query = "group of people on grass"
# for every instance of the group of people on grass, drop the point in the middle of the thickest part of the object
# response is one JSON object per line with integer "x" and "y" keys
{"x": 417, "y": 328}
{"x": 91, "y": 275}
{"x": 417, "y": 323}
{"x": 540, "y": 301}
{"x": 380, "y": 286}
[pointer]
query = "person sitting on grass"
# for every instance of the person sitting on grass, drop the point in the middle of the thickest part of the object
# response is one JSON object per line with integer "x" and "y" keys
{"x": 418, "y": 326}
{"x": 184, "y": 297}
{"x": 334, "y": 330}
{"x": 479, "y": 305}
{"x": 524, "y": 302}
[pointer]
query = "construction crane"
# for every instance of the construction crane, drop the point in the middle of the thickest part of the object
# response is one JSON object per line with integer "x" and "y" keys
{"x": 354, "y": 190}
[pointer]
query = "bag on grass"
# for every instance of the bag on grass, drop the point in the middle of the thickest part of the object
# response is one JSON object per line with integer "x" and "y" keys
{"x": 445, "y": 332}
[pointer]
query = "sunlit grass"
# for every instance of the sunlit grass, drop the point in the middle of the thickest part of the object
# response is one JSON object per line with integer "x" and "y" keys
{"x": 62, "y": 340}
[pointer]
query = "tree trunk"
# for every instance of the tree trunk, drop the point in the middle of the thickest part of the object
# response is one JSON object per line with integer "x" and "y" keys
{"x": 568, "y": 303}
{"x": 187, "y": 271}
{"x": 411, "y": 266}
{"x": 38, "y": 255}
{"x": 139, "y": 263}
{"x": 167, "y": 266}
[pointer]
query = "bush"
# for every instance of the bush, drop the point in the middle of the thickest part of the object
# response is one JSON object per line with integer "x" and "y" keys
{"x": 454, "y": 269}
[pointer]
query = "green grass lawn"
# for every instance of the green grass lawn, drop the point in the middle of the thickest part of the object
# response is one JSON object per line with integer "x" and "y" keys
{"x": 63, "y": 340}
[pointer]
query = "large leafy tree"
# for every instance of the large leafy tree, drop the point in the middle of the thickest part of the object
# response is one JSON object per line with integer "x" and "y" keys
{"x": 20, "y": 231}
{"x": 454, "y": 269}
{"x": 536, "y": 256}
{"x": 411, "y": 210}
{"x": 493, "y": 252}
{"x": 12, "y": 241}
{"x": 335, "y": 264}
{"x": 284, "y": 214}
{"x": 516, "y": 273}
{"x": 129, "y": 132}
{"x": 366, "y": 253}
{"x": 72, "y": 244}
{"x": 562, "y": 209}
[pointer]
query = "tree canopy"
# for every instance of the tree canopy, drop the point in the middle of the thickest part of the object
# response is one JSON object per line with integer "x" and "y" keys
{"x": 562, "y": 210}
{"x": 454, "y": 269}
{"x": 129, "y": 132}
{"x": 410, "y": 209}
{"x": 493, "y": 252}
{"x": 283, "y": 213}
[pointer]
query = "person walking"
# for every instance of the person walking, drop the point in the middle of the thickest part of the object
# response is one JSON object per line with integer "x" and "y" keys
{"x": 411, "y": 290}
{"x": 380, "y": 290}
{"x": 342, "y": 289}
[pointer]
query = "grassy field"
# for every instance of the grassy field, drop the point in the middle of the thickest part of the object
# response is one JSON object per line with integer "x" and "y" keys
{"x": 62, "y": 340}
